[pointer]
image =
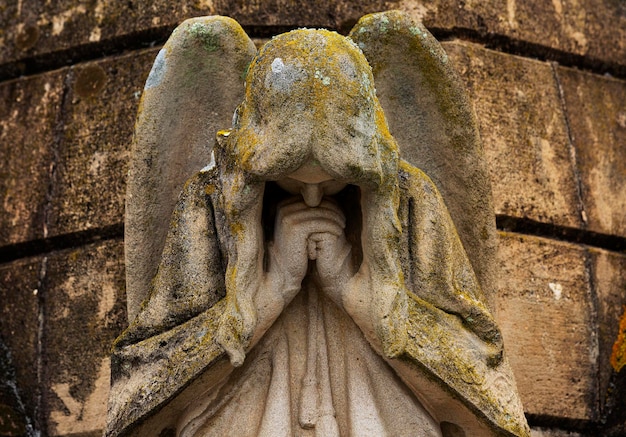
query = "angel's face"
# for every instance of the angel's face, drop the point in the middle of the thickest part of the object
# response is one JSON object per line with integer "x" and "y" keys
{"x": 312, "y": 182}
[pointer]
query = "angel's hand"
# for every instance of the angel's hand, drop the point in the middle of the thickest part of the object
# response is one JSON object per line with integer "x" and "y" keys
{"x": 228, "y": 334}
{"x": 332, "y": 255}
{"x": 303, "y": 233}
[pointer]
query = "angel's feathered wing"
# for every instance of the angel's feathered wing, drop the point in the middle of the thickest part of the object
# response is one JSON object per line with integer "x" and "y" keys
{"x": 434, "y": 125}
{"x": 192, "y": 91}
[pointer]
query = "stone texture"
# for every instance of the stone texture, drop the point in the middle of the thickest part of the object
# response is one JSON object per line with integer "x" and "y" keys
{"x": 545, "y": 312}
{"x": 596, "y": 110}
{"x": 192, "y": 93}
{"x": 549, "y": 432}
{"x": 19, "y": 324}
{"x": 99, "y": 117}
{"x": 35, "y": 28}
{"x": 28, "y": 122}
{"x": 573, "y": 26}
{"x": 13, "y": 420}
{"x": 524, "y": 133}
{"x": 609, "y": 278}
{"x": 431, "y": 120}
{"x": 328, "y": 14}
{"x": 84, "y": 312}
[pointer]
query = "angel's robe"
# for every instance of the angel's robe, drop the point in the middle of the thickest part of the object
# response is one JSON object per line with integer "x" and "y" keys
{"x": 169, "y": 372}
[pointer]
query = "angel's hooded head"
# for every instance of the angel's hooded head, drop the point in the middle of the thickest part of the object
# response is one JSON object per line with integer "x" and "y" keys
{"x": 310, "y": 97}
{"x": 310, "y": 101}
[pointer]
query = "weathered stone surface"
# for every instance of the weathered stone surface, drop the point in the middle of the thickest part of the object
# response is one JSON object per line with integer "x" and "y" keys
{"x": 579, "y": 27}
{"x": 524, "y": 133}
{"x": 192, "y": 92}
{"x": 332, "y": 14}
{"x": 596, "y": 110}
{"x": 609, "y": 278}
{"x": 19, "y": 324}
{"x": 84, "y": 312}
{"x": 13, "y": 419}
{"x": 99, "y": 117}
{"x": 35, "y": 28}
{"x": 28, "y": 119}
{"x": 549, "y": 432}
{"x": 545, "y": 313}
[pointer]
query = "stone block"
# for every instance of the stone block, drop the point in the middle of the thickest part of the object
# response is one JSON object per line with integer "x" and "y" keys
{"x": 596, "y": 110}
{"x": 545, "y": 311}
{"x": 19, "y": 324}
{"x": 578, "y": 27}
{"x": 524, "y": 133}
{"x": 85, "y": 309}
{"x": 608, "y": 271}
{"x": 339, "y": 15}
{"x": 35, "y": 29}
{"x": 100, "y": 112}
{"x": 29, "y": 119}
{"x": 573, "y": 26}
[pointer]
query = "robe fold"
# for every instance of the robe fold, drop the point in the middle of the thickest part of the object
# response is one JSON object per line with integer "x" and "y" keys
{"x": 170, "y": 374}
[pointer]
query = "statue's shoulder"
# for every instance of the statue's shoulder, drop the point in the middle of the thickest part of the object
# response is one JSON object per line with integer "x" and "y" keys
{"x": 201, "y": 189}
{"x": 413, "y": 182}
{"x": 206, "y": 179}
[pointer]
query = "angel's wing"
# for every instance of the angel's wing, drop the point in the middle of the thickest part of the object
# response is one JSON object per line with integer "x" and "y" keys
{"x": 431, "y": 118}
{"x": 195, "y": 84}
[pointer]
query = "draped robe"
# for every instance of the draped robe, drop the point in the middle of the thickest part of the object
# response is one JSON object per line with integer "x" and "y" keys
{"x": 170, "y": 374}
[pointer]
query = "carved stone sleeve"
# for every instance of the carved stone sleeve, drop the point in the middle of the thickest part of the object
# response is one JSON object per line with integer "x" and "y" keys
{"x": 170, "y": 344}
{"x": 453, "y": 339}
{"x": 190, "y": 278}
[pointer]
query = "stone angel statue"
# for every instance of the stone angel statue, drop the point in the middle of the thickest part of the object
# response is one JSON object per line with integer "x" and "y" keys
{"x": 309, "y": 274}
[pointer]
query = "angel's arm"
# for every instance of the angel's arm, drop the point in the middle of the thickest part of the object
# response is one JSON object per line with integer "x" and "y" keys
{"x": 454, "y": 349}
{"x": 190, "y": 278}
{"x": 437, "y": 268}
{"x": 170, "y": 342}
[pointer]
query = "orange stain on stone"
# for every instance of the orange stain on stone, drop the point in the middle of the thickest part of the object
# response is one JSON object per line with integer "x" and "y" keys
{"x": 618, "y": 357}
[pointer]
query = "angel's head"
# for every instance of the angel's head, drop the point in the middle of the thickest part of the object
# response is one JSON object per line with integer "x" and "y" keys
{"x": 310, "y": 98}
{"x": 310, "y": 119}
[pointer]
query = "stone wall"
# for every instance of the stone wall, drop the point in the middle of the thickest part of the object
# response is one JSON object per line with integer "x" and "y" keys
{"x": 548, "y": 83}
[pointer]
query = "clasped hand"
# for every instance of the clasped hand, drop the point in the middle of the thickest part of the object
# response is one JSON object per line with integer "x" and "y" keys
{"x": 303, "y": 233}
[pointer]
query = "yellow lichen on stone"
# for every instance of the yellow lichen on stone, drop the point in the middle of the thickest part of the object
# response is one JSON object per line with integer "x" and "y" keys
{"x": 308, "y": 94}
